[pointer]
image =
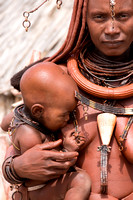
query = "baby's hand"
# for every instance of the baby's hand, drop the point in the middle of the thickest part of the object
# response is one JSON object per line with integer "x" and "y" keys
{"x": 72, "y": 141}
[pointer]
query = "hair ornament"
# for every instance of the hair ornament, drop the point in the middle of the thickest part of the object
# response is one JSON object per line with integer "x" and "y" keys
{"x": 26, "y": 23}
{"x": 112, "y": 7}
{"x": 112, "y": 2}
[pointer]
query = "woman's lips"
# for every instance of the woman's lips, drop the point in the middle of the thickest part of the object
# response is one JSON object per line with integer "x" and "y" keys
{"x": 115, "y": 43}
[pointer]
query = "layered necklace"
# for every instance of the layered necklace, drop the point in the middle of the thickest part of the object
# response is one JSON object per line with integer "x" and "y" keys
{"x": 103, "y": 71}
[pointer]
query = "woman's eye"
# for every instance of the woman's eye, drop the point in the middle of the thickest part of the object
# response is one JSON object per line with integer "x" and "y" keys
{"x": 123, "y": 16}
{"x": 99, "y": 18}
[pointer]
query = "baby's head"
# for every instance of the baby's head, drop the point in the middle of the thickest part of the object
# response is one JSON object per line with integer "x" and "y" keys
{"x": 49, "y": 94}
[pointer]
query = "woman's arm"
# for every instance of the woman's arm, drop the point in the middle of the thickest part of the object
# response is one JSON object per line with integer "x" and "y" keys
{"x": 42, "y": 163}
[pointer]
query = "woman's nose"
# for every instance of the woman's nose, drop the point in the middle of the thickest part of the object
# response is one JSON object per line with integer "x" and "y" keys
{"x": 112, "y": 30}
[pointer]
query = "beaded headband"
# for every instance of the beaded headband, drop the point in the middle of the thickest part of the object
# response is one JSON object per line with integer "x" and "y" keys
{"x": 112, "y": 7}
{"x": 26, "y": 14}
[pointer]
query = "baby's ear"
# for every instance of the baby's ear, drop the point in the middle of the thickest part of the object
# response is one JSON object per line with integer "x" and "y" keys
{"x": 37, "y": 110}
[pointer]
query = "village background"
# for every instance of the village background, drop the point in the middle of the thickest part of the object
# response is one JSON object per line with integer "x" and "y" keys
{"x": 47, "y": 33}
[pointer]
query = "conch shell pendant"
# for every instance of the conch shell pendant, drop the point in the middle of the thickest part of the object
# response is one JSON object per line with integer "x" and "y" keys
{"x": 106, "y": 123}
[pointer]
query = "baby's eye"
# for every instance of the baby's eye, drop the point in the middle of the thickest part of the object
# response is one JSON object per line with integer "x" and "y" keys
{"x": 73, "y": 133}
{"x": 64, "y": 115}
{"x": 71, "y": 117}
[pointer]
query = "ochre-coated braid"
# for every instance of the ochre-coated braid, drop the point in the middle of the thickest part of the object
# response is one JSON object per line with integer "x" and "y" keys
{"x": 75, "y": 33}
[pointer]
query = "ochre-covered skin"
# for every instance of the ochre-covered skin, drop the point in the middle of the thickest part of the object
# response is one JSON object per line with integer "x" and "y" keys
{"x": 41, "y": 162}
{"x": 120, "y": 164}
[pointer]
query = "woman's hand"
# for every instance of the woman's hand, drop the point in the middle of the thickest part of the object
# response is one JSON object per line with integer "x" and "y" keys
{"x": 43, "y": 163}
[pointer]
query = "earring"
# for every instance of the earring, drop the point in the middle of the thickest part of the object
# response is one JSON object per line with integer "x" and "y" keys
{"x": 85, "y": 109}
{"x": 26, "y": 23}
{"x": 59, "y": 3}
{"x": 75, "y": 122}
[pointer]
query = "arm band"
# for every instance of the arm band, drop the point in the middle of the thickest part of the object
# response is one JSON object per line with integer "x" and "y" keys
{"x": 9, "y": 172}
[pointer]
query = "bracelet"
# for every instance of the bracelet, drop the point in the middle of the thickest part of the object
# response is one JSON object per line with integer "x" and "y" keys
{"x": 9, "y": 172}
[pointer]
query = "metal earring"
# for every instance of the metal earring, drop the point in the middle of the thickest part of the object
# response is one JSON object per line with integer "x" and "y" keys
{"x": 26, "y": 23}
{"x": 59, "y": 3}
{"x": 75, "y": 122}
{"x": 85, "y": 109}
{"x": 16, "y": 192}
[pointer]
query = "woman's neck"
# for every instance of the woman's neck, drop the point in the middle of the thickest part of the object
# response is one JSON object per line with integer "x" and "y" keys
{"x": 125, "y": 57}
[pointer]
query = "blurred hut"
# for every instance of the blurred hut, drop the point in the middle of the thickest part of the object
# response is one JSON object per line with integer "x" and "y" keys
{"x": 47, "y": 33}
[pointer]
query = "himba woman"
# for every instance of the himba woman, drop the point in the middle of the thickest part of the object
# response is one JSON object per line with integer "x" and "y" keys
{"x": 98, "y": 54}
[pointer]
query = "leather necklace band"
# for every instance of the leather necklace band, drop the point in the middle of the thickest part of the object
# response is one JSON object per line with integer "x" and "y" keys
{"x": 19, "y": 115}
{"x": 104, "y": 108}
{"x": 96, "y": 90}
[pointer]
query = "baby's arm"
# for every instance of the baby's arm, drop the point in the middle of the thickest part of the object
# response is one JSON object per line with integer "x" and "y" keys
{"x": 26, "y": 137}
{"x": 6, "y": 121}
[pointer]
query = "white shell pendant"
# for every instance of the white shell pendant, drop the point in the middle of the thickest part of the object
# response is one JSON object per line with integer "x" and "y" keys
{"x": 106, "y": 123}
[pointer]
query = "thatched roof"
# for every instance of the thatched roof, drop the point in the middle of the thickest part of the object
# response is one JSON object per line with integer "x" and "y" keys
{"x": 46, "y": 34}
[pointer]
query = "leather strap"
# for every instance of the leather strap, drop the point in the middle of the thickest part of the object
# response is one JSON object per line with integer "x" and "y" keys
{"x": 19, "y": 115}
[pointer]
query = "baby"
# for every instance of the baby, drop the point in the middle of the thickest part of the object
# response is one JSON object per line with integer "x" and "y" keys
{"x": 49, "y": 98}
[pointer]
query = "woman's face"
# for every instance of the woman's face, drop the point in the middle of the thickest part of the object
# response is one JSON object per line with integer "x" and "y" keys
{"x": 110, "y": 41}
